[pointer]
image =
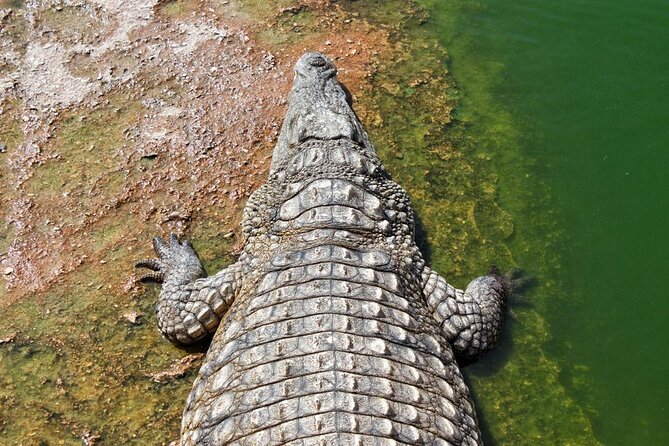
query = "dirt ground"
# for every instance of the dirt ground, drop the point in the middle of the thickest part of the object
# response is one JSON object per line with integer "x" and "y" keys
{"x": 121, "y": 120}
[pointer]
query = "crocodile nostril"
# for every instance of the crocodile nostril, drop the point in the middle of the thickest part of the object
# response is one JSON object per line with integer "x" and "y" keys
{"x": 317, "y": 61}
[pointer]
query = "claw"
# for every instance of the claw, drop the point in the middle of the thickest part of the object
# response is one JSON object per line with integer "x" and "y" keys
{"x": 153, "y": 264}
{"x": 174, "y": 239}
{"x": 517, "y": 282}
{"x": 161, "y": 247}
{"x": 156, "y": 277}
{"x": 523, "y": 283}
{"x": 514, "y": 273}
{"x": 493, "y": 271}
{"x": 520, "y": 300}
{"x": 188, "y": 244}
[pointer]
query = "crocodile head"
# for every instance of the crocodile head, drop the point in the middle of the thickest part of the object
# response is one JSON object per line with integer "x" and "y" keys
{"x": 319, "y": 108}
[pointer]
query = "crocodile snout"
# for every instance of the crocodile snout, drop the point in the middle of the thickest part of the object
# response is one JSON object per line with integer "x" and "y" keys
{"x": 314, "y": 66}
{"x": 319, "y": 109}
{"x": 317, "y": 61}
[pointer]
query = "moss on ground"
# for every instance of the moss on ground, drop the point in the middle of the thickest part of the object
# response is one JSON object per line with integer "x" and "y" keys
{"x": 84, "y": 150}
{"x": 179, "y": 9}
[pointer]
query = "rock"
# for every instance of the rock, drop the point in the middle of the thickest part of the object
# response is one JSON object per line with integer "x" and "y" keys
{"x": 3, "y": 148}
{"x": 177, "y": 369}
{"x": 90, "y": 438}
{"x": 133, "y": 317}
{"x": 7, "y": 271}
{"x": 8, "y": 339}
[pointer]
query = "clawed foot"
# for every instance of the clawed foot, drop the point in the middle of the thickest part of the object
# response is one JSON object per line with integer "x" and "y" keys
{"x": 514, "y": 281}
{"x": 175, "y": 261}
{"x": 519, "y": 282}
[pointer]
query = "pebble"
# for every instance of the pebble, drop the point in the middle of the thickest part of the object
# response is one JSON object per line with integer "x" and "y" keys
{"x": 133, "y": 317}
{"x": 8, "y": 271}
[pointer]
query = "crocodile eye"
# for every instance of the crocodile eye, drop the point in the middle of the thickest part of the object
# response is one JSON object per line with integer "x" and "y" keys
{"x": 317, "y": 61}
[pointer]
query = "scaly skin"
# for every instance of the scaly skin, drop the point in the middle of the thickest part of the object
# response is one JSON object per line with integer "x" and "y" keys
{"x": 333, "y": 331}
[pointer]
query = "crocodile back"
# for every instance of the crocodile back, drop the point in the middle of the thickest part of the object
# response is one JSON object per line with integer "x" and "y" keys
{"x": 330, "y": 341}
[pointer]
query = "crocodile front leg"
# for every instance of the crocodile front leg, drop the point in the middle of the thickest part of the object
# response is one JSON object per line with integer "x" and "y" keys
{"x": 190, "y": 304}
{"x": 471, "y": 319}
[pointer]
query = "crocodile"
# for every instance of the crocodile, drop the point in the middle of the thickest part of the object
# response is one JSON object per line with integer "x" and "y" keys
{"x": 330, "y": 329}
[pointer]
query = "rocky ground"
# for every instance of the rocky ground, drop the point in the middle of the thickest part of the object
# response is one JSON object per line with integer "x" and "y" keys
{"x": 146, "y": 115}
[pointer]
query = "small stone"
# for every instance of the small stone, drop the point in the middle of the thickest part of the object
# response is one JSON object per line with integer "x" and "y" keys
{"x": 8, "y": 339}
{"x": 3, "y": 148}
{"x": 133, "y": 317}
{"x": 177, "y": 369}
{"x": 90, "y": 438}
{"x": 8, "y": 271}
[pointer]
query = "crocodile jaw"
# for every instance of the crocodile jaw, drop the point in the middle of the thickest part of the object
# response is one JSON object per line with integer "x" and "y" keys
{"x": 318, "y": 109}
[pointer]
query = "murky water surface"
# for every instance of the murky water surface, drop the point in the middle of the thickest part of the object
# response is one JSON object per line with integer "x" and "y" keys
{"x": 581, "y": 90}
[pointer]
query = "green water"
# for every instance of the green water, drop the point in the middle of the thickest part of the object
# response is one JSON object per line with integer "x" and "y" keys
{"x": 580, "y": 89}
